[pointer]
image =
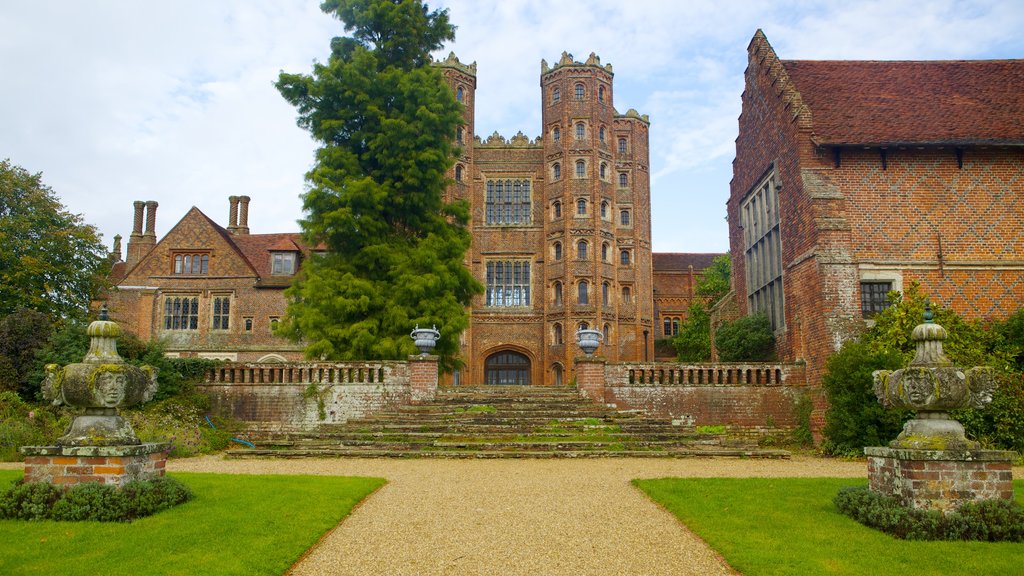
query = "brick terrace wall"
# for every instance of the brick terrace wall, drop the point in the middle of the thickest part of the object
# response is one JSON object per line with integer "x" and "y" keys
{"x": 759, "y": 397}
{"x": 938, "y": 479}
{"x": 114, "y": 465}
{"x": 301, "y": 396}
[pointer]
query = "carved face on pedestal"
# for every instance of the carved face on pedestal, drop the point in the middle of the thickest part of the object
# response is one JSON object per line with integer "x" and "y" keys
{"x": 918, "y": 392}
{"x": 110, "y": 389}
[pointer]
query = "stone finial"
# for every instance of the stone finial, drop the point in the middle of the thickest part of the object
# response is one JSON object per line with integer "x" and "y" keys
{"x": 100, "y": 384}
{"x": 932, "y": 386}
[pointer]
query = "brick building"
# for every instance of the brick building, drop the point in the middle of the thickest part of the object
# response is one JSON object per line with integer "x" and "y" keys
{"x": 561, "y": 239}
{"x": 206, "y": 290}
{"x": 855, "y": 178}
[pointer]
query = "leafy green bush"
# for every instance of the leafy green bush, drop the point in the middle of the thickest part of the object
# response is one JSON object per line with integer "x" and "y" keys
{"x": 180, "y": 422}
{"x": 986, "y": 520}
{"x": 91, "y": 501}
{"x": 746, "y": 339}
{"x": 22, "y": 424}
{"x": 855, "y": 418}
{"x": 29, "y": 501}
{"x": 693, "y": 342}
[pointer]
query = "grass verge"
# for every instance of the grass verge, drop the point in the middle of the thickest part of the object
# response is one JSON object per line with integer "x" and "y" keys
{"x": 784, "y": 526}
{"x": 236, "y": 524}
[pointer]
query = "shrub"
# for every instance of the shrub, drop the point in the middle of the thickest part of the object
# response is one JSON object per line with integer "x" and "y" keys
{"x": 855, "y": 418}
{"x": 693, "y": 342}
{"x": 985, "y": 520}
{"x": 179, "y": 421}
{"x": 746, "y": 339}
{"x": 91, "y": 501}
{"x": 24, "y": 425}
{"x": 28, "y": 501}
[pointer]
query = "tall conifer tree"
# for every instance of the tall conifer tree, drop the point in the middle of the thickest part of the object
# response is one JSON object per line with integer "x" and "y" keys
{"x": 385, "y": 120}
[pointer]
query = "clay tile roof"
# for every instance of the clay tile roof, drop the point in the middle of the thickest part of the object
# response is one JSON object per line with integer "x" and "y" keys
{"x": 257, "y": 248}
{"x": 664, "y": 261}
{"x": 924, "y": 102}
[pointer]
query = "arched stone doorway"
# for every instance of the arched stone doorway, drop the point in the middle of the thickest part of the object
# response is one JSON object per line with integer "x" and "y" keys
{"x": 508, "y": 368}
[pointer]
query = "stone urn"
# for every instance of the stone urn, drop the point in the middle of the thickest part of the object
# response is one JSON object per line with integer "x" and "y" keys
{"x": 425, "y": 339}
{"x": 589, "y": 340}
{"x": 100, "y": 384}
{"x": 932, "y": 386}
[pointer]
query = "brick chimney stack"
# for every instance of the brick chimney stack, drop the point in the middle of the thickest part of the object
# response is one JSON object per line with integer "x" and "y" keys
{"x": 140, "y": 243}
{"x": 243, "y": 215}
{"x": 233, "y": 214}
{"x": 115, "y": 254}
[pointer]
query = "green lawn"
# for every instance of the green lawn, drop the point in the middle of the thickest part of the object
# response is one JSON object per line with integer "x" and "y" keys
{"x": 236, "y": 524}
{"x": 790, "y": 526}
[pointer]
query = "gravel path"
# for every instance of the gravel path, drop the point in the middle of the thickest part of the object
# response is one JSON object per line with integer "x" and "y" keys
{"x": 514, "y": 517}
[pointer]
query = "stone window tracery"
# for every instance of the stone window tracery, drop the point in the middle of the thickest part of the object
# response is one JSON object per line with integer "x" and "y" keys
{"x": 508, "y": 283}
{"x": 221, "y": 312}
{"x": 181, "y": 313}
{"x": 759, "y": 217}
{"x": 508, "y": 202}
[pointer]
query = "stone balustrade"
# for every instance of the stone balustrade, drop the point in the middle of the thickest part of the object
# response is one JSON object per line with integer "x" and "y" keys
{"x": 668, "y": 374}
{"x": 306, "y": 373}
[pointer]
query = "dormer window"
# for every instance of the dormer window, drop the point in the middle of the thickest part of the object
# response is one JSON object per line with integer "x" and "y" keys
{"x": 193, "y": 263}
{"x": 282, "y": 263}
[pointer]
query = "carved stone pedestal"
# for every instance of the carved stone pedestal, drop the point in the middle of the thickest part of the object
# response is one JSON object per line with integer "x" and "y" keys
{"x": 940, "y": 480}
{"x": 116, "y": 465}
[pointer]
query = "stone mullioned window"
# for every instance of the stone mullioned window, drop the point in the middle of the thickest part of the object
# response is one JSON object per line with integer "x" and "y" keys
{"x": 508, "y": 202}
{"x": 181, "y": 313}
{"x": 759, "y": 215}
{"x": 508, "y": 283}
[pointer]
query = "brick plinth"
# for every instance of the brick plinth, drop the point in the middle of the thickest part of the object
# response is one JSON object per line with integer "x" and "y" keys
{"x": 115, "y": 465}
{"x": 422, "y": 378}
{"x": 590, "y": 378}
{"x": 940, "y": 480}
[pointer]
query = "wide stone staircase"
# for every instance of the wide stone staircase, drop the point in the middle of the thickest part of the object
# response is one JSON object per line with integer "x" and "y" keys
{"x": 506, "y": 422}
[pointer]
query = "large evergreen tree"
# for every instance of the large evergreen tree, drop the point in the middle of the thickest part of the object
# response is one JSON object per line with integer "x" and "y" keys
{"x": 385, "y": 120}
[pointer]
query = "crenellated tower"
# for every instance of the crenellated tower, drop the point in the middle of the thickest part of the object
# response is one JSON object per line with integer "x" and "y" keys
{"x": 462, "y": 80}
{"x": 598, "y": 202}
{"x": 560, "y": 227}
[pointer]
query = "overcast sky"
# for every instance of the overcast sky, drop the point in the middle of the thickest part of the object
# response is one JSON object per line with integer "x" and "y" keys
{"x": 173, "y": 101}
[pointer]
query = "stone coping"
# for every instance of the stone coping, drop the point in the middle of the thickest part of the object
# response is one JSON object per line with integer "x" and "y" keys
{"x": 96, "y": 451}
{"x": 942, "y": 455}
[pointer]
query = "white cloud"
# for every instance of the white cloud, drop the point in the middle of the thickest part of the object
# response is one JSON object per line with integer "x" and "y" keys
{"x": 116, "y": 101}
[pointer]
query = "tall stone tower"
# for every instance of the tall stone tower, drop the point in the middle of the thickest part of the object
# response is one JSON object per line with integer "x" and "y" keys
{"x": 599, "y": 200}
{"x": 561, "y": 229}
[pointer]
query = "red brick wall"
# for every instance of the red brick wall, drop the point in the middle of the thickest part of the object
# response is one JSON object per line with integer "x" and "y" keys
{"x": 935, "y": 480}
{"x": 917, "y": 215}
{"x": 69, "y": 466}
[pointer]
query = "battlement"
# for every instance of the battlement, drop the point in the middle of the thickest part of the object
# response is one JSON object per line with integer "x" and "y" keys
{"x": 567, "y": 60}
{"x": 452, "y": 61}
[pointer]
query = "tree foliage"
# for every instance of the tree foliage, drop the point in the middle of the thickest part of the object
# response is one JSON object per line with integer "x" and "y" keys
{"x": 714, "y": 281}
{"x": 693, "y": 342}
{"x": 50, "y": 261}
{"x": 22, "y": 335}
{"x": 746, "y": 339}
{"x": 385, "y": 120}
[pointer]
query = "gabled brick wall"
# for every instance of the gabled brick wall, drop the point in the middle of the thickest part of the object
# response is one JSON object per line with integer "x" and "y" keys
{"x": 946, "y": 214}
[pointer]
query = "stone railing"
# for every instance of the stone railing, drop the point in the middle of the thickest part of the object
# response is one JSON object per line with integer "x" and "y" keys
{"x": 755, "y": 397}
{"x": 303, "y": 395}
{"x": 307, "y": 373}
{"x": 671, "y": 374}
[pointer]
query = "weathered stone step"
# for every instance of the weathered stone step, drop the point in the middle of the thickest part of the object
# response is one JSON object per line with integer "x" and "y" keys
{"x": 377, "y": 453}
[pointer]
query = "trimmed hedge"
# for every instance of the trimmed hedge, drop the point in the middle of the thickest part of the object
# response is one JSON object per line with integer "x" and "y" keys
{"x": 986, "y": 520}
{"x": 91, "y": 501}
